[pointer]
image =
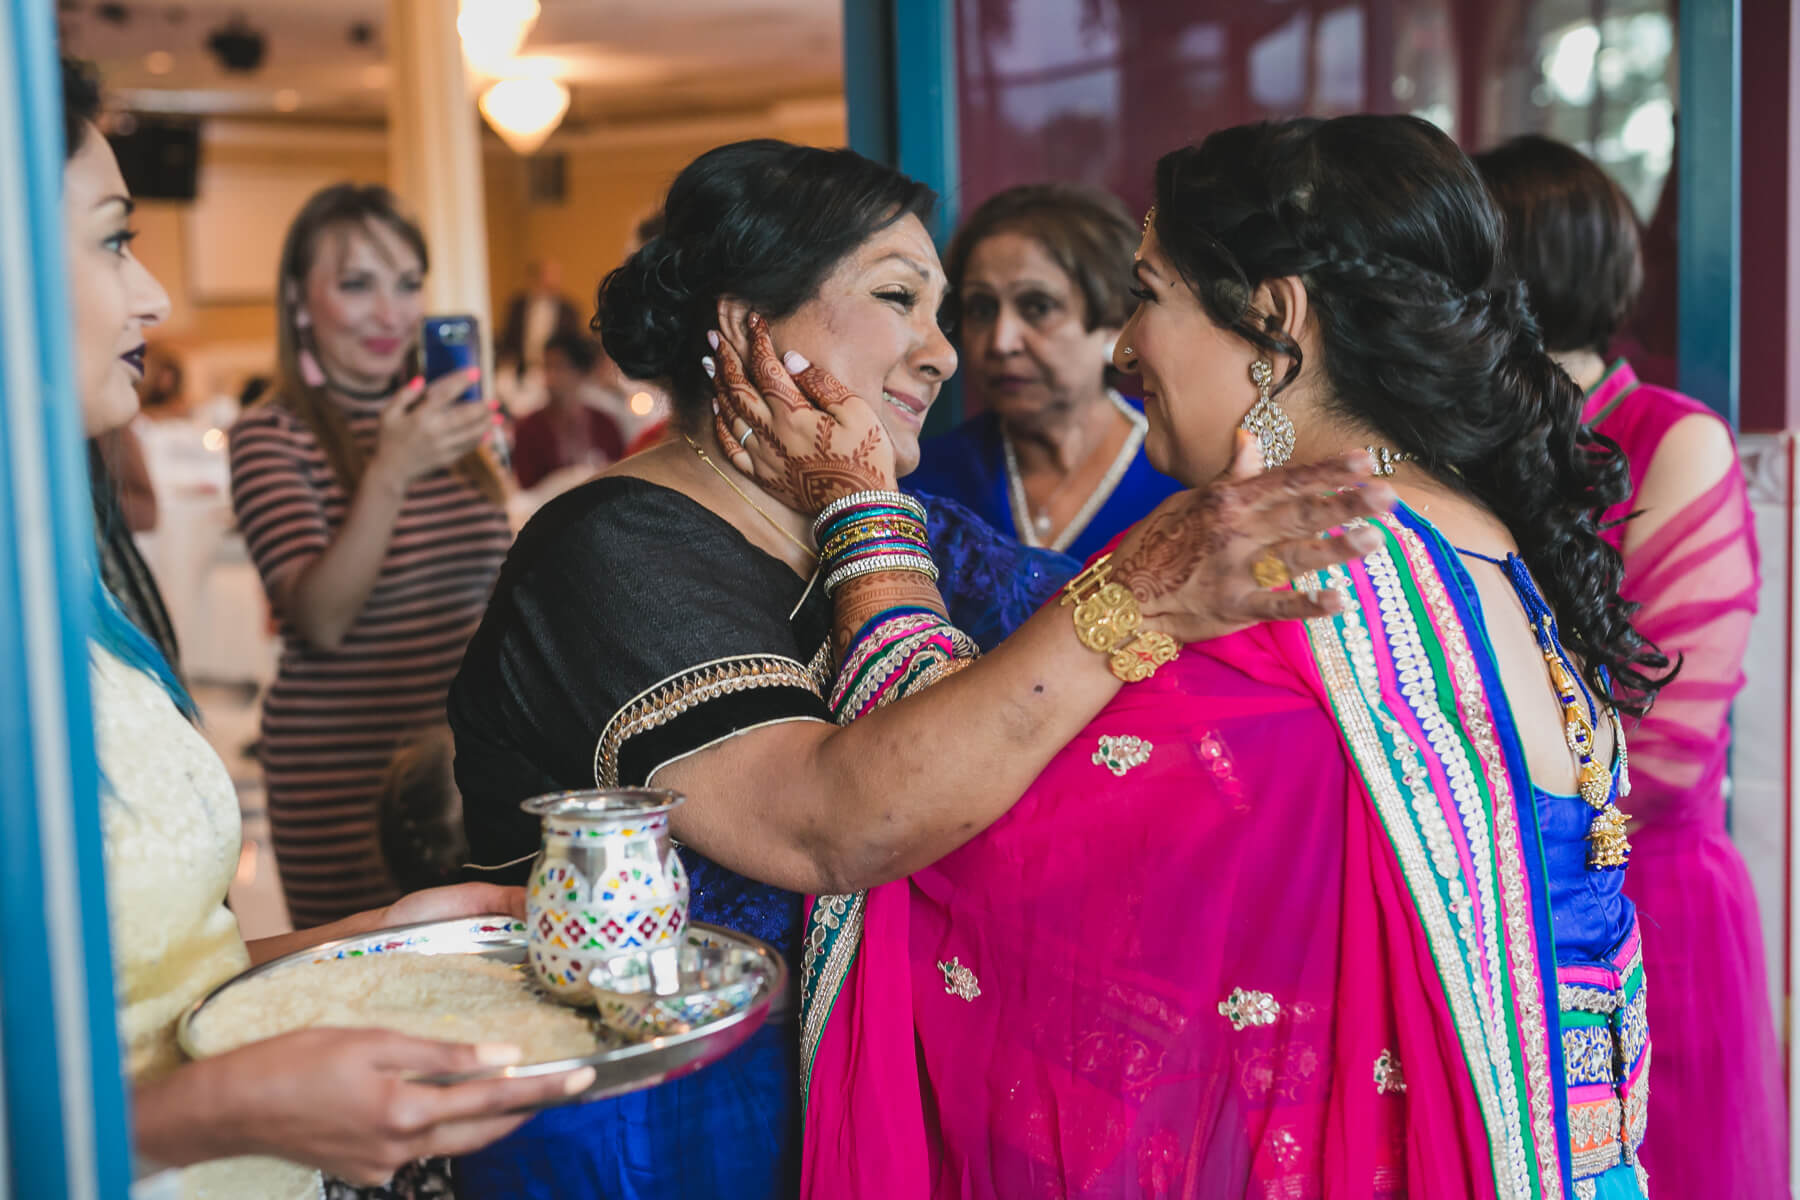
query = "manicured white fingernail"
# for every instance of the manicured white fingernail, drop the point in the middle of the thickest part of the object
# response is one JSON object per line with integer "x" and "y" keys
{"x": 497, "y": 1054}
{"x": 794, "y": 362}
{"x": 715, "y": 406}
{"x": 706, "y": 361}
{"x": 712, "y": 338}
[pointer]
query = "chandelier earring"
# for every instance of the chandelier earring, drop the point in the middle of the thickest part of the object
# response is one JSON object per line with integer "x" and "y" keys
{"x": 1267, "y": 420}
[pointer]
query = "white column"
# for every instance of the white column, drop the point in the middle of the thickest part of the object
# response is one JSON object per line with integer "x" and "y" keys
{"x": 434, "y": 155}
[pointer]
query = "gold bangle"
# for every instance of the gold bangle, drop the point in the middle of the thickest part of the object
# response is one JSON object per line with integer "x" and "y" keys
{"x": 1107, "y": 620}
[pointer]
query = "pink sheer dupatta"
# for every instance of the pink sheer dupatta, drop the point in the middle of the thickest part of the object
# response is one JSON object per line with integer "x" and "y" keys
{"x": 1190, "y": 963}
{"x": 1718, "y": 1113}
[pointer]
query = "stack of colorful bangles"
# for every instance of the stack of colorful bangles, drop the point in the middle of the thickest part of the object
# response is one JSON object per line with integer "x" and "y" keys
{"x": 901, "y": 649}
{"x": 866, "y": 532}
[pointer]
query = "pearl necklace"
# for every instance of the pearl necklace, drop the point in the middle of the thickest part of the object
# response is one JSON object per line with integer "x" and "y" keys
{"x": 1034, "y": 527}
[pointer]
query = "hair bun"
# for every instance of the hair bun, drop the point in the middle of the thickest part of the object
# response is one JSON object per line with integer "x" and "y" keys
{"x": 643, "y": 309}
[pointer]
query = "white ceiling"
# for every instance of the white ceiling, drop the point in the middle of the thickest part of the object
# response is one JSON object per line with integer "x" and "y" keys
{"x": 623, "y": 59}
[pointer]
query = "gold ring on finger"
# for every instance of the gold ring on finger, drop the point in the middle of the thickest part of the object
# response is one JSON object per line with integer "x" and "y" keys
{"x": 1269, "y": 571}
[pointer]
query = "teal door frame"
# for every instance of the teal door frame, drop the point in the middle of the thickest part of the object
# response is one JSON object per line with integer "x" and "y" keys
{"x": 1708, "y": 189}
{"x": 900, "y": 92}
{"x": 62, "y": 1101}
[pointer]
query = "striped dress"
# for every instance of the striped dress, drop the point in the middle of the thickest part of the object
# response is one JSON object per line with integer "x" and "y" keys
{"x": 332, "y": 720}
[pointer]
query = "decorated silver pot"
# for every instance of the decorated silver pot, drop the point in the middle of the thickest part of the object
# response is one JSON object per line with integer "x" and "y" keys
{"x": 607, "y": 901}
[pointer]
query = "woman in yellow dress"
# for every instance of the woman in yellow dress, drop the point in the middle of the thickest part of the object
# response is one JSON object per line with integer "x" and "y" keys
{"x": 264, "y": 1120}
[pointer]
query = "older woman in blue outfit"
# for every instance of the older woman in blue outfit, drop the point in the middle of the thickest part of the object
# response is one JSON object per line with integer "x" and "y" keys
{"x": 1041, "y": 280}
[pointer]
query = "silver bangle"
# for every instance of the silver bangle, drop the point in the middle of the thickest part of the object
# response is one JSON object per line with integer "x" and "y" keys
{"x": 857, "y": 499}
{"x": 918, "y": 563}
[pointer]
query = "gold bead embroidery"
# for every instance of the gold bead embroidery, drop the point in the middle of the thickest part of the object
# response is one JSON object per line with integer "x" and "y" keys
{"x": 1245, "y": 1008}
{"x": 1120, "y": 754}
{"x": 1388, "y": 1076}
{"x": 959, "y": 980}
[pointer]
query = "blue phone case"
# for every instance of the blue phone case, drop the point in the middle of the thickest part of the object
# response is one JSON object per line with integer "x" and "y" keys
{"x": 451, "y": 344}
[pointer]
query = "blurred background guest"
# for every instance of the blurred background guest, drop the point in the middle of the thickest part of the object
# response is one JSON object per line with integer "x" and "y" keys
{"x": 533, "y": 316}
{"x": 1717, "y": 1110}
{"x": 569, "y": 431}
{"x": 376, "y": 523}
{"x": 1042, "y": 280}
{"x": 422, "y": 838}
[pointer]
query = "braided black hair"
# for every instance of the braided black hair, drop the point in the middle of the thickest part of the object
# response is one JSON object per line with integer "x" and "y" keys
{"x": 1426, "y": 337}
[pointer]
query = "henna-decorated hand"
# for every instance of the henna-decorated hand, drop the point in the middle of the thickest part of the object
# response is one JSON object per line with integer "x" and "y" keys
{"x": 1190, "y": 561}
{"x": 815, "y": 440}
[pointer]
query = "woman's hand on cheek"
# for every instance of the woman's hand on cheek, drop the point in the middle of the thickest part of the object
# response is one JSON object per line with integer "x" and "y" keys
{"x": 804, "y": 436}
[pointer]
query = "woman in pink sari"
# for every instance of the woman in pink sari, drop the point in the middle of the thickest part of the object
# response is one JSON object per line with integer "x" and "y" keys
{"x": 1691, "y": 566}
{"x": 1321, "y": 909}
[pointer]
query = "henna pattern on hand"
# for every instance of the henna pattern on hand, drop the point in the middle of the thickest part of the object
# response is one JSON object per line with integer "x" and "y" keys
{"x": 866, "y": 595}
{"x": 1188, "y": 563}
{"x": 801, "y": 453}
{"x": 1165, "y": 551}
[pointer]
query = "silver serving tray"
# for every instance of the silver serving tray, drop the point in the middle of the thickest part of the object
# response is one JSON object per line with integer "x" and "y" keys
{"x": 623, "y": 1064}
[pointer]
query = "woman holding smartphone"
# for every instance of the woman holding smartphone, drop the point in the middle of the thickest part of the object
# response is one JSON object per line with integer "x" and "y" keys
{"x": 375, "y": 519}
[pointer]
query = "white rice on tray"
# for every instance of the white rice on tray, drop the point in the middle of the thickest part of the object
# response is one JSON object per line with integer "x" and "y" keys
{"x": 450, "y": 997}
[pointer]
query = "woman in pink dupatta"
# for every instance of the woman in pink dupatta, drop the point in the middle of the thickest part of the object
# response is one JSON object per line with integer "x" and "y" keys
{"x": 1314, "y": 911}
{"x": 1691, "y": 565}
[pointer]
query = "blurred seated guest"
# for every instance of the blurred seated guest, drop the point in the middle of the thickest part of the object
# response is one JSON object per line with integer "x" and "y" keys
{"x": 533, "y": 317}
{"x": 568, "y": 431}
{"x": 422, "y": 838}
{"x": 1042, "y": 280}
{"x": 1691, "y": 564}
{"x": 161, "y": 392}
{"x": 260, "y": 1121}
{"x": 377, "y": 524}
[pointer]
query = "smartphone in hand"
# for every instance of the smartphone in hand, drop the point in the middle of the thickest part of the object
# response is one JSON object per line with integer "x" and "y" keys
{"x": 450, "y": 344}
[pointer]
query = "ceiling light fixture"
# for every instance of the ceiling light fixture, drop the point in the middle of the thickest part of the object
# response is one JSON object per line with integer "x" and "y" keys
{"x": 493, "y": 30}
{"x": 524, "y": 112}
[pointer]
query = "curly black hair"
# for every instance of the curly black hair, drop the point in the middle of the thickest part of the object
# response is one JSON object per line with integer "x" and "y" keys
{"x": 762, "y": 220}
{"x": 1426, "y": 338}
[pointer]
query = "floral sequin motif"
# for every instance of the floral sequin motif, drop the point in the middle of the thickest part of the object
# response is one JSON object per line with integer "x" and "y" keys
{"x": 1285, "y": 1147}
{"x": 1388, "y": 1076}
{"x": 1120, "y": 754}
{"x": 959, "y": 981}
{"x": 1246, "y": 1008}
{"x": 1215, "y": 755}
{"x": 1588, "y": 1054}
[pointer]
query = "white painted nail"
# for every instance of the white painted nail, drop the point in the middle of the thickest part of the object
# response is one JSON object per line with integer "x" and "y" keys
{"x": 793, "y": 361}
{"x": 712, "y": 338}
{"x": 706, "y": 361}
{"x": 497, "y": 1054}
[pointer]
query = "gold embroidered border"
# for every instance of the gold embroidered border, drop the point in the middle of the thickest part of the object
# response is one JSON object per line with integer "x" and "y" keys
{"x": 1356, "y": 700}
{"x": 1406, "y": 645}
{"x": 662, "y": 702}
{"x": 833, "y": 934}
{"x": 1528, "y": 990}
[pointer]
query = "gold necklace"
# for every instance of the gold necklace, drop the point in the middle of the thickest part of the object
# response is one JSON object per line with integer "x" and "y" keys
{"x": 760, "y": 511}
